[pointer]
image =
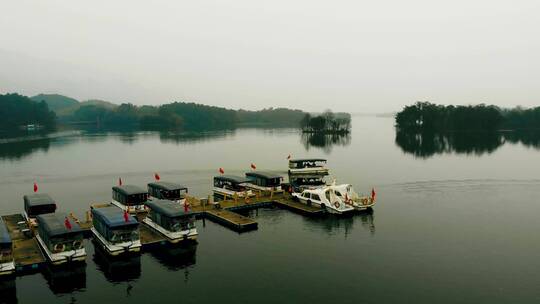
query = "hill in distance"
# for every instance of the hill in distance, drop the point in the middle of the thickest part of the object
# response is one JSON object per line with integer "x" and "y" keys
{"x": 65, "y": 106}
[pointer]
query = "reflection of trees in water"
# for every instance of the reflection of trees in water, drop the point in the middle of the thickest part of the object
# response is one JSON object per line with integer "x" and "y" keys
{"x": 325, "y": 141}
{"x": 18, "y": 150}
{"x": 427, "y": 144}
{"x": 193, "y": 137}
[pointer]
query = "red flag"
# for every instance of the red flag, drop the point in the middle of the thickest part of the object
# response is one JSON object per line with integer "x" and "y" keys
{"x": 373, "y": 194}
{"x": 35, "y": 187}
{"x": 289, "y": 157}
{"x": 253, "y": 166}
{"x": 67, "y": 223}
{"x": 119, "y": 181}
{"x": 156, "y": 176}
{"x": 126, "y": 216}
{"x": 186, "y": 207}
{"x": 221, "y": 171}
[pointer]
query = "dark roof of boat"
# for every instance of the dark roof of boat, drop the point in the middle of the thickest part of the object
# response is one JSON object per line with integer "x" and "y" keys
{"x": 264, "y": 175}
{"x": 54, "y": 224}
{"x": 4, "y": 233}
{"x": 37, "y": 199}
{"x": 113, "y": 217}
{"x": 129, "y": 189}
{"x": 167, "y": 186}
{"x": 301, "y": 160}
{"x": 232, "y": 178}
{"x": 167, "y": 208}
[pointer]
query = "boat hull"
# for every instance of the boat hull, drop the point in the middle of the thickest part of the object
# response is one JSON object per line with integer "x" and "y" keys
{"x": 172, "y": 237}
{"x": 116, "y": 249}
{"x": 7, "y": 268}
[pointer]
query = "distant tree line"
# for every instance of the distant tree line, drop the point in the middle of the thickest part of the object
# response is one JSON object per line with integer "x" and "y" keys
{"x": 19, "y": 111}
{"x": 426, "y": 116}
{"x": 327, "y": 123}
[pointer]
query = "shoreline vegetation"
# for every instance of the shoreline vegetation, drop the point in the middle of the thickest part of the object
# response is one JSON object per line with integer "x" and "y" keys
{"x": 49, "y": 110}
{"x": 327, "y": 123}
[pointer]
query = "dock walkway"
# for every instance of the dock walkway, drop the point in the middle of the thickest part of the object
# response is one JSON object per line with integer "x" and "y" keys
{"x": 26, "y": 251}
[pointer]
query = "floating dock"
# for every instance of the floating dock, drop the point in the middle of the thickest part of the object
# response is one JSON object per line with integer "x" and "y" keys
{"x": 26, "y": 251}
{"x": 231, "y": 219}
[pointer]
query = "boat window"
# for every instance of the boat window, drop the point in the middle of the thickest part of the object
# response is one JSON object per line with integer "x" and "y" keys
{"x": 124, "y": 235}
{"x": 327, "y": 194}
{"x": 305, "y": 194}
{"x": 66, "y": 243}
{"x": 337, "y": 193}
{"x": 315, "y": 197}
{"x": 183, "y": 223}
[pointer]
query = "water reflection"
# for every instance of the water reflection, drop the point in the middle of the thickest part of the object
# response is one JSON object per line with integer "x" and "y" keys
{"x": 325, "y": 141}
{"x": 18, "y": 150}
{"x": 177, "y": 257}
{"x": 65, "y": 279}
{"x": 427, "y": 144}
{"x": 193, "y": 137}
{"x": 117, "y": 269}
{"x": 344, "y": 224}
{"x": 8, "y": 290}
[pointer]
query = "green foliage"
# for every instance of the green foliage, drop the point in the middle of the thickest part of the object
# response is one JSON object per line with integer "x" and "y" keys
{"x": 326, "y": 123}
{"x": 56, "y": 102}
{"x": 17, "y": 111}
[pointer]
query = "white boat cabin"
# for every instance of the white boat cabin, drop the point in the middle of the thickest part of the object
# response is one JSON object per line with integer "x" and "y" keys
{"x": 325, "y": 198}
{"x": 349, "y": 196}
{"x": 172, "y": 220}
{"x": 308, "y": 166}
{"x": 60, "y": 239}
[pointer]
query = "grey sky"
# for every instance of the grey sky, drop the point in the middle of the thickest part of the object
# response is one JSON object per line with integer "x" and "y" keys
{"x": 356, "y": 56}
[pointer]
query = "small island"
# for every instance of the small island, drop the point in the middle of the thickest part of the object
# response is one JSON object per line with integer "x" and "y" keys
{"x": 327, "y": 123}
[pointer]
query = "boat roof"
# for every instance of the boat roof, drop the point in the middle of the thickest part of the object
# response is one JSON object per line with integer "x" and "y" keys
{"x": 232, "y": 178}
{"x": 302, "y": 160}
{"x": 5, "y": 238}
{"x": 265, "y": 175}
{"x": 129, "y": 189}
{"x": 38, "y": 199}
{"x": 167, "y": 186}
{"x": 167, "y": 208}
{"x": 113, "y": 217}
{"x": 54, "y": 224}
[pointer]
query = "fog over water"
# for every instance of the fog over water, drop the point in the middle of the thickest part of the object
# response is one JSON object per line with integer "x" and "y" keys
{"x": 356, "y": 56}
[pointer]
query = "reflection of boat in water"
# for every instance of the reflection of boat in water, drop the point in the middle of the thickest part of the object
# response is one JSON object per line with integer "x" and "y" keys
{"x": 176, "y": 257}
{"x": 66, "y": 278}
{"x": 8, "y": 290}
{"x": 125, "y": 268}
{"x": 344, "y": 224}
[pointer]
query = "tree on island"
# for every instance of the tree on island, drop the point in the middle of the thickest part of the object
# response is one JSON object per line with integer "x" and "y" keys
{"x": 326, "y": 123}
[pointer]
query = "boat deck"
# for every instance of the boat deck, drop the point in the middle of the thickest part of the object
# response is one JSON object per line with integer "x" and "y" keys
{"x": 298, "y": 207}
{"x": 26, "y": 251}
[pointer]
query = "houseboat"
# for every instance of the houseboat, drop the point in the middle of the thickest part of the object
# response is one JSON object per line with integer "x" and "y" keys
{"x": 60, "y": 239}
{"x": 115, "y": 230}
{"x": 326, "y": 198}
{"x": 263, "y": 181}
{"x": 36, "y": 204}
{"x": 350, "y": 197}
{"x": 299, "y": 183}
{"x": 308, "y": 166}
{"x": 129, "y": 198}
{"x": 230, "y": 186}
{"x": 7, "y": 265}
{"x": 168, "y": 191}
{"x": 172, "y": 220}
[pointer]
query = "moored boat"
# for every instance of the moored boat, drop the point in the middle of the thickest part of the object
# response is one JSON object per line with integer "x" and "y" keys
{"x": 129, "y": 198}
{"x": 172, "y": 220}
{"x": 263, "y": 181}
{"x": 308, "y": 166}
{"x": 115, "y": 230}
{"x": 349, "y": 196}
{"x": 60, "y": 239}
{"x": 36, "y": 204}
{"x": 7, "y": 265}
{"x": 168, "y": 191}
{"x": 231, "y": 186}
{"x": 324, "y": 197}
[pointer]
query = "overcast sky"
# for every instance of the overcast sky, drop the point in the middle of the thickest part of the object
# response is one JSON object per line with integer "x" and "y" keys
{"x": 355, "y": 56}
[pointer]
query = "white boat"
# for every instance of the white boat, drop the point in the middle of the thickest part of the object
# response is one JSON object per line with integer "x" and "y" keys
{"x": 7, "y": 264}
{"x": 115, "y": 230}
{"x": 36, "y": 204}
{"x": 230, "y": 186}
{"x": 167, "y": 191}
{"x": 129, "y": 198}
{"x": 60, "y": 239}
{"x": 172, "y": 220}
{"x": 325, "y": 198}
{"x": 313, "y": 166}
{"x": 350, "y": 197}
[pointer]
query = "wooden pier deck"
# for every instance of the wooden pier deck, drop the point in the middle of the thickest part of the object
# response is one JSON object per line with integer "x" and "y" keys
{"x": 231, "y": 219}
{"x": 26, "y": 251}
{"x": 298, "y": 207}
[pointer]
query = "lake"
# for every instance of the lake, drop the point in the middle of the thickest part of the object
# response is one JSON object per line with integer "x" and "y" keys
{"x": 456, "y": 219}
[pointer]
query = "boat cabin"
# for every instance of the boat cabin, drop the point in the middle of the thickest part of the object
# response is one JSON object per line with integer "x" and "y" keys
{"x": 302, "y": 182}
{"x": 36, "y": 204}
{"x": 172, "y": 220}
{"x": 7, "y": 266}
{"x": 230, "y": 185}
{"x": 116, "y": 230}
{"x": 308, "y": 165}
{"x": 60, "y": 238}
{"x": 166, "y": 190}
{"x": 129, "y": 197}
{"x": 264, "y": 181}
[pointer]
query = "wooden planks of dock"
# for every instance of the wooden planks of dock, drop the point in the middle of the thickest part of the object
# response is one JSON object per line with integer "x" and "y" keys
{"x": 231, "y": 219}
{"x": 26, "y": 251}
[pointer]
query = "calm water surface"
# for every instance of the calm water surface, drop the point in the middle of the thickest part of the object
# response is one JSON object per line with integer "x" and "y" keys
{"x": 452, "y": 225}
